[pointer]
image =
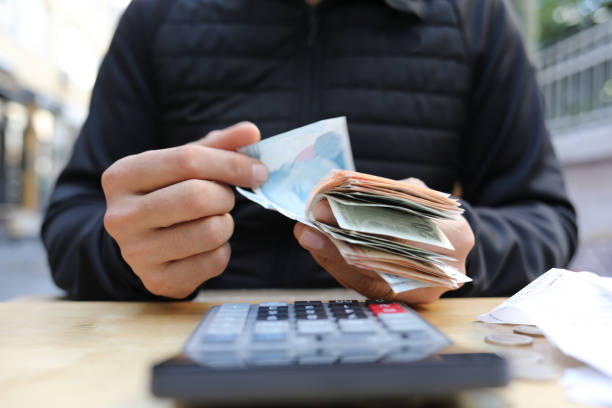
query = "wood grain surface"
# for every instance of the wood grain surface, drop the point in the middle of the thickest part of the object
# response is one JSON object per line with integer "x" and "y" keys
{"x": 56, "y": 353}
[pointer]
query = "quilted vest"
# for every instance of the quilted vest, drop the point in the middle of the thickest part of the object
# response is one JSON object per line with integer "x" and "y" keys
{"x": 397, "y": 70}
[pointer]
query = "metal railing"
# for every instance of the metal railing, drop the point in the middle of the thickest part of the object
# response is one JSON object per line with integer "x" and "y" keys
{"x": 576, "y": 78}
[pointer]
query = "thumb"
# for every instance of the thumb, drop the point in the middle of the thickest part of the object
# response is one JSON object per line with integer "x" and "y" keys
{"x": 414, "y": 181}
{"x": 231, "y": 138}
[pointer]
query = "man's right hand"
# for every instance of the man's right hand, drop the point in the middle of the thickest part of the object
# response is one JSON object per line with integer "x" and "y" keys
{"x": 169, "y": 209}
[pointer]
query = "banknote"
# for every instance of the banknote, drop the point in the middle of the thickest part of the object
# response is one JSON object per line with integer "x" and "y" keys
{"x": 387, "y": 221}
{"x": 296, "y": 161}
{"x": 399, "y": 284}
{"x": 380, "y": 224}
{"x": 384, "y": 244}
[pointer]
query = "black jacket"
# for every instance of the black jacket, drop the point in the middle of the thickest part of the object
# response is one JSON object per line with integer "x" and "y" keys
{"x": 436, "y": 89}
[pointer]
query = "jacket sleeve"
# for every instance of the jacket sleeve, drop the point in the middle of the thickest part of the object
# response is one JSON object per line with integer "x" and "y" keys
{"x": 85, "y": 261}
{"x": 513, "y": 189}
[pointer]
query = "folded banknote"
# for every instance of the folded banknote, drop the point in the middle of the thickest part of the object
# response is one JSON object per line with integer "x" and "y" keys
{"x": 381, "y": 223}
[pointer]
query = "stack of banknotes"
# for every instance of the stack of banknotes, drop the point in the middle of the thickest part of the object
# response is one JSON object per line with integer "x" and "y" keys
{"x": 382, "y": 225}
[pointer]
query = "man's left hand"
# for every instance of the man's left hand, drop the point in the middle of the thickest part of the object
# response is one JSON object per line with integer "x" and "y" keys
{"x": 368, "y": 283}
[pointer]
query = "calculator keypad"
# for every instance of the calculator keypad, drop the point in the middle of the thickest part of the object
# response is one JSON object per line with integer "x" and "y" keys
{"x": 312, "y": 332}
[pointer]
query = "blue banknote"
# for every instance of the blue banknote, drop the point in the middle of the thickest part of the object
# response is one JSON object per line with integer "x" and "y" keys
{"x": 296, "y": 161}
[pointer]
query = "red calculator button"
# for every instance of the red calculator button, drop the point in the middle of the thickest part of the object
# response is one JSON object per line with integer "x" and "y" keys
{"x": 386, "y": 309}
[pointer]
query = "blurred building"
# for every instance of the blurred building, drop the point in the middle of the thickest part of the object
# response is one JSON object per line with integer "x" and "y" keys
{"x": 50, "y": 51}
{"x": 49, "y": 54}
{"x": 576, "y": 79}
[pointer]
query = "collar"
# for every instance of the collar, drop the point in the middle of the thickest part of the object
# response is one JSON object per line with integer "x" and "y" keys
{"x": 414, "y": 7}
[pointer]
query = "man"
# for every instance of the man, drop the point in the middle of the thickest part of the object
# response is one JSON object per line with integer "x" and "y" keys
{"x": 440, "y": 91}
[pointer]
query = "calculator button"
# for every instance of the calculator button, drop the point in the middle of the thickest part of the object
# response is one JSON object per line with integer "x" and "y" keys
{"x": 348, "y": 311}
{"x": 272, "y": 318}
{"x": 353, "y": 316}
{"x": 233, "y": 321}
{"x": 386, "y": 309}
{"x": 314, "y": 327}
{"x": 232, "y": 313}
{"x": 269, "y": 308}
{"x": 333, "y": 303}
{"x": 280, "y": 315}
{"x": 401, "y": 325}
{"x": 341, "y": 313}
{"x": 302, "y": 315}
{"x": 268, "y": 304}
{"x": 223, "y": 331}
{"x": 311, "y": 317}
{"x": 228, "y": 322}
{"x": 321, "y": 313}
{"x": 415, "y": 334}
{"x": 219, "y": 337}
{"x": 271, "y": 326}
{"x": 309, "y": 307}
{"x": 220, "y": 324}
{"x": 357, "y": 326}
{"x": 270, "y": 357}
{"x": 270, "y": 336}
{"x": 398, "y": 316}
{"x": 345, "y": 307}
{"x": 235, "y": 306}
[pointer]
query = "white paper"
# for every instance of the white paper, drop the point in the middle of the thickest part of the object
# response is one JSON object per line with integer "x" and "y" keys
{"x": 510, "y": 311}
{"x": 585, "y": 385}
{"x": 573, "y": 309}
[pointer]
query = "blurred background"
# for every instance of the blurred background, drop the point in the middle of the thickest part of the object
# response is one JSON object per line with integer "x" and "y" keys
{"x": 50, "y": 51}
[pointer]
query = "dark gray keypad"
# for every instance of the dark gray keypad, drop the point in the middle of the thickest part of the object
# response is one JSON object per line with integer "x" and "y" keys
{"x": 312, "y": 332}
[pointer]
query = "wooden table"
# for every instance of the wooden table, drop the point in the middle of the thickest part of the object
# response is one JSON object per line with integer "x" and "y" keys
{"x": 89, "y": 354}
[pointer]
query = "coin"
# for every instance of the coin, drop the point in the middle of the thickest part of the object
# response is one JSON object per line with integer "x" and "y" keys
{"x": 509, "y": 339}
{"x": 521, "y": 356}
{"x": 535, "y": 372}
{"x": 529, "y": 330}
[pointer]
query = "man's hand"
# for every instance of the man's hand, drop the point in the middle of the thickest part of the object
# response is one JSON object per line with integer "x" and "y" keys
{"x": 367, "y": 282}
{"x": 169, "y": 209}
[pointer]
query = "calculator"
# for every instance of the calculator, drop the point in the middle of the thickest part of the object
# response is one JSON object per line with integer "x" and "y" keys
{"x": 318, "y": 351}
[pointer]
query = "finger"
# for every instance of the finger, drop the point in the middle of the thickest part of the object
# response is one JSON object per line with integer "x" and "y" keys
{"x": 155, "y": 169}
{"x": 421, "y": 296}
{"x": 323, "y": 213}
{"x": 322, "y": 248}
{"x": 414, "y": 181}
{"x": 184, "y": 201}
{"x": 231, "y": 138}
{"x": 366, "y": 282}
{"x": 190, "y": 238}
{"x": 178, "y": 279}
{"x": 314, "y": 241}
{"x": 327, "y": 255}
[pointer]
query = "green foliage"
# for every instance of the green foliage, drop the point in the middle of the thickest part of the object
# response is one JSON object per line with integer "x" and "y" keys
{"x": 561, "y": 18}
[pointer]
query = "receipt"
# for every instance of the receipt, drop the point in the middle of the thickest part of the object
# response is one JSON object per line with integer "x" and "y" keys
{"x": 573, "y": 309}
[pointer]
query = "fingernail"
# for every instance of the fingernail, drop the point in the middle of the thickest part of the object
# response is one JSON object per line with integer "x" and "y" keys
{"x": 260, "y": 173}
{"x": 311, "y": 241}
{"x": 320, "y": 212}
